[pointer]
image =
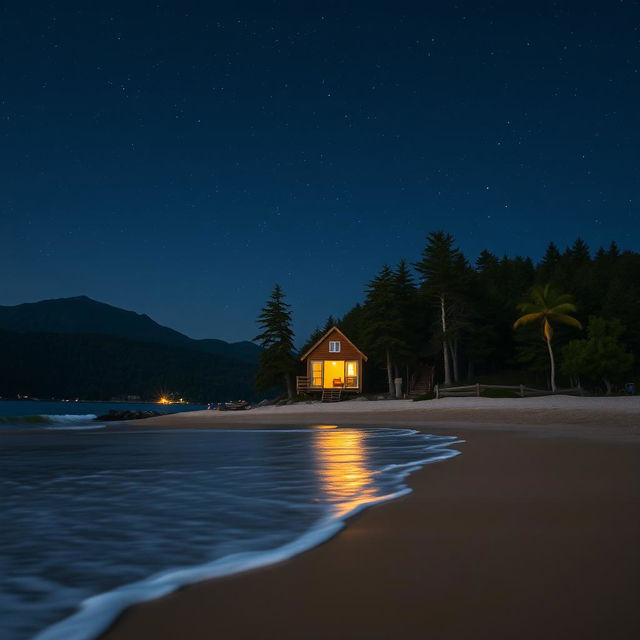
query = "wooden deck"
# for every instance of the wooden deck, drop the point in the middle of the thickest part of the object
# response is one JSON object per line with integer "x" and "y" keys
{"x": 329, "y": 394}
{"x": 302, "y": 383}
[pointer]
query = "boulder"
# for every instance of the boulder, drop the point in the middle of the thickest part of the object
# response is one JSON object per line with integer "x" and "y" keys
{"x": 115, "y": 416}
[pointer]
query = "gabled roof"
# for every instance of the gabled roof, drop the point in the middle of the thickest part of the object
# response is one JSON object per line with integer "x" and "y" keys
{"x": 326, "y": 335}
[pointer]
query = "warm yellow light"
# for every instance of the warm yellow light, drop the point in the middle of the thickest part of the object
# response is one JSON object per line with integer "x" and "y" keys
{"x": 343, "y": 468}
{"x": 164, "y": 400}
{"x": 333, "y": 363}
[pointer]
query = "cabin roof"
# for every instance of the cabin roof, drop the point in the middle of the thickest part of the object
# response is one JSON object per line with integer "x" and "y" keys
{"x": 326, "y": 335}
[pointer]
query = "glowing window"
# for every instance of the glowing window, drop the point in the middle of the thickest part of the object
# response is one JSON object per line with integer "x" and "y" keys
{"x": 334, "y": 346}
{"x": 351, "y": 376}
{"x": 316, "y": 373}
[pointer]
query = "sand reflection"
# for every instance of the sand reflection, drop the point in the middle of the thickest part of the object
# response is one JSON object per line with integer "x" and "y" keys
{"x": 341, "y": 456}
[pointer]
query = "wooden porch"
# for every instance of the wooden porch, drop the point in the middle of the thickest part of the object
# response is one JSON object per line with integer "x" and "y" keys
{"x": 302, "y": 383}
{"x": 329, "y": 394}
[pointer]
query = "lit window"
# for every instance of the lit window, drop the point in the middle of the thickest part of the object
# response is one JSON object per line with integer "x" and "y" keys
{"x": 316, "y": 373}
{"x": 334, "y": 346}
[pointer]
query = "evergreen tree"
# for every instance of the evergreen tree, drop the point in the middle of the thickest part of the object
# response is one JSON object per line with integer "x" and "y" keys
{"x": 316, "y": 334}
{"x": 329, "y": 324}
{"x": 383, "y": 321}
{"x": 579, "y": 251}
{"x": 547, "y": 267}
{"x": 277, "y": 363}
{"x": 445, "y": 274}
{"x": 353, "y": 324}
{"x": 408, "y": 319}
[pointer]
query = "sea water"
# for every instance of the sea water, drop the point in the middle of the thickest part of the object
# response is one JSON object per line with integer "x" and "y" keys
{"x": 94, "y": 520}
{"x": 58, "y": 414}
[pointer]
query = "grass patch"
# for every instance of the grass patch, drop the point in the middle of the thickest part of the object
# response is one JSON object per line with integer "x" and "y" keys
{"x": 499, "y": 393}
{"x": 425, "y": 396}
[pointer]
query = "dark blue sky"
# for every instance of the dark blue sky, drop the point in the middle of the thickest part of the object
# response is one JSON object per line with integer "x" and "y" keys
{"x": 179, "y": 158}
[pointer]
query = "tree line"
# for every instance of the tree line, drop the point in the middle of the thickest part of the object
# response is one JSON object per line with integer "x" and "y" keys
{"x": 573, "y": 315}
{"x": 101, "y": 367}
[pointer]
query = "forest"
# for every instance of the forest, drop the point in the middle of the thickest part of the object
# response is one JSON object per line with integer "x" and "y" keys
{"x": 573, "y": 318}
{"x": 104, "y": 367}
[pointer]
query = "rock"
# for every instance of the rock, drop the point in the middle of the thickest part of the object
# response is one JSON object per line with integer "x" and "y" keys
{"x": 114, "y": 416}
{"x": 264, "y": 403}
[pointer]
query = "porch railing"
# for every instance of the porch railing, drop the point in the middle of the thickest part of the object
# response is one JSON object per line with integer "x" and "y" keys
{"x": 303, "y": 383}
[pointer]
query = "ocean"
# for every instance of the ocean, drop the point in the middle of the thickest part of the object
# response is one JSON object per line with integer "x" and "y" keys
{"x": 97, "y": 519}
{"x": 59, "y": 414}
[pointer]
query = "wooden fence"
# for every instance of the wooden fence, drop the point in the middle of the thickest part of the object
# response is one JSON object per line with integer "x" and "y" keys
{"x": 477, "y": 389}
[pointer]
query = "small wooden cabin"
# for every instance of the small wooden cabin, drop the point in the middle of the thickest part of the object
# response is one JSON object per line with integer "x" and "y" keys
{"x": 333, "y": 363}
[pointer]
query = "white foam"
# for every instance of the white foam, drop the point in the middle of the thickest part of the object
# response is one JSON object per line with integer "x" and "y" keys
{"x": 70, "y": 427}
{"x": 97, "y": 613}
{"x": 70, "y": 418}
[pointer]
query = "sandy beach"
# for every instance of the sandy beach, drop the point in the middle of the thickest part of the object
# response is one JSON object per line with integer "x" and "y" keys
{"x": 532, "y": 532}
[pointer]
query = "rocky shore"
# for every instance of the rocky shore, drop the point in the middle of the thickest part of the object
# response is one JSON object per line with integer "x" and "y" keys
{"x": 114, "y": 416}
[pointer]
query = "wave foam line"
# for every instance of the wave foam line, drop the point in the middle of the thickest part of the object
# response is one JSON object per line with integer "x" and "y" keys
{"x": 48, "y": 419}
{"x": 96, "y": 614}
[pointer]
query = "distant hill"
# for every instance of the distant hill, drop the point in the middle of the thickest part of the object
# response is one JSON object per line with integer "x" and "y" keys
{"x": 82, "y": 315}
{"x": 78, "y": 347}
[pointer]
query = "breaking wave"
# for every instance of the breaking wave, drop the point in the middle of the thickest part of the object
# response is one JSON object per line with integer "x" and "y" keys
{"x": 38, "y": 419}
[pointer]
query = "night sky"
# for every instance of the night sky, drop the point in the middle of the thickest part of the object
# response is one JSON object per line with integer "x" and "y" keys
{"x": 179, "y": 158}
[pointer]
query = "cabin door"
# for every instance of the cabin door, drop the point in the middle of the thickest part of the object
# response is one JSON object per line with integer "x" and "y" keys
{"x": 333, "y": 373}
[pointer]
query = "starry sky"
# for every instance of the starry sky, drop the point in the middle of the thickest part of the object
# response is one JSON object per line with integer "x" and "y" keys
{"x": 180, "y": 158}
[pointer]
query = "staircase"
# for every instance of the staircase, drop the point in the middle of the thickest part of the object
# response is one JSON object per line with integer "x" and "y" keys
{"x": 421, "y": 381}
{"x": 331, "y": 395}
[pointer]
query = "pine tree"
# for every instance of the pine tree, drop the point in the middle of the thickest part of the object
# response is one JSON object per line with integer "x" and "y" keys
{"x": 329, "y": 324}
{"x": 549, "y": 263}
{"x": 353, "y": 324}
{"x": 316, "y": 334}
{"x": 445, "y": 274}
{"x": 383, "y": 321}
{"x": 409, "y": 319}
{"x": 277, "y": 363}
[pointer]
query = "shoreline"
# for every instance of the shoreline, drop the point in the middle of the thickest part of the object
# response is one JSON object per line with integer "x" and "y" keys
{"x": 531, "y": 532}
{"x": 614, "y": 418}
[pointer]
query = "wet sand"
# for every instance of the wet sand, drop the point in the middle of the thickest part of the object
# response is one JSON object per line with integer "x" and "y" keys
{"x": 533, "y": 532}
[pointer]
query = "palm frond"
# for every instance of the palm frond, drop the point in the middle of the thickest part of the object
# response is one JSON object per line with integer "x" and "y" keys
{"x": 565, "y": 319}
{"x": 527, "y": 319}
{"x": 530, "y": 307}
{"x": 563, "y": 308}
{"x": 538, "y": 295}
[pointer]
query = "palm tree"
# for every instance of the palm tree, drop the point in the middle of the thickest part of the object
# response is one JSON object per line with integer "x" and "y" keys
{"x": 547, "y": 306}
